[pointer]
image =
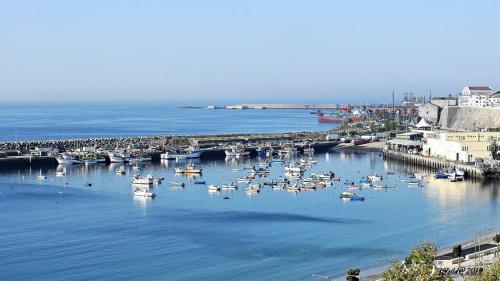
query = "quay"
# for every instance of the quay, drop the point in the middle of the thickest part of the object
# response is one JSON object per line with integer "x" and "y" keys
{"x": 433, "y": 163}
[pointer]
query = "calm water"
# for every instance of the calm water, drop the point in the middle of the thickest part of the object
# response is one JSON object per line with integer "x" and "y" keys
{"x": 59, "y": 229}
{"x": 22, "y": 122}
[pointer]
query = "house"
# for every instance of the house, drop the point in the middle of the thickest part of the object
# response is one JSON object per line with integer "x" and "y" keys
{"x": 495, "y": 99}
{"x": 460, "y": 146}
{"x": 445, "y": 101}
{"x": 475, "y": 96}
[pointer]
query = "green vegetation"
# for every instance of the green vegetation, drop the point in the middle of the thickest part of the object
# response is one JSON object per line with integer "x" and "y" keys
{"x": 353, "y": 274}
{"x": 418, "y": 266}
{"x": 489, "y": 273}
{"x": 391, "y": 125}
{"x": 495, "y": 150}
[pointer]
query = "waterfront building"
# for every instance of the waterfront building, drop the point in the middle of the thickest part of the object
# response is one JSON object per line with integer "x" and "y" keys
{"x": 460, "y": 146}
{"x": 445, "y": 101}
{"x": 495, "y": 99}
{"x": 475, "y": 96}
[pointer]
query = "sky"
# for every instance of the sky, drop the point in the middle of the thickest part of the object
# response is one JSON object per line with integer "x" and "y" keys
{"x": 215, "y": 51}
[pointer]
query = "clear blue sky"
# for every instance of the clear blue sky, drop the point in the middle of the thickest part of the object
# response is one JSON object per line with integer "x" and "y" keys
{"x": 245, "y": 51}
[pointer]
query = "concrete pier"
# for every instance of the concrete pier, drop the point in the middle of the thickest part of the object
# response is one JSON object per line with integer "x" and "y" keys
{"x": 433, "y": 163}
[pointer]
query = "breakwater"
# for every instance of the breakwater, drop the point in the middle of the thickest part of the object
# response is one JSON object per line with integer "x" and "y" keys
{"x": 471, "y": 171}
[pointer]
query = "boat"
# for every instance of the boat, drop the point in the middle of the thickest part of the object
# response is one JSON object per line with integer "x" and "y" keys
{"x": 243, "y": 180}
{"x": 229, "y": 186}
{"x": 213, "y": 188}
{"x": 294, "y": 168}
{"x": 375, "y": 178}
{"x": 308, "y": 150}
{"x": 200, "y": 182}
{"x": 413, "y": 183}
{"x": 259, "y": 171}
{"x": 118, "y": 157}
{"x": 148, "y": 180}
{"x": 189, "y": 153}
{"x": 142, "y": 191}
{"x": 177, "y": 184}
{"x": 121, "y": 171}
{"x": 441, "y": 175}
{"x": 90, "y": 161}
{"x": 236, "y": 152}
{"x": 141, "y": 158}
{"x": 351, "y": 196}
{"x": 278, "y": 161}
{"x": 294, "y": 187}
{"x": 67, "y": 159}
{"x": 190, "y": 169}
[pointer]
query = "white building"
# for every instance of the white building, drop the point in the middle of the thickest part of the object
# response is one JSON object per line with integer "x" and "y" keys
{"x": 495, "y": 100}
{"x": 475, "y": 96}
{"x": 444, "y": 101}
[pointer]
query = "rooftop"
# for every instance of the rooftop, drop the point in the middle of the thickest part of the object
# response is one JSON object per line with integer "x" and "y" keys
{"x": 479, "y": 88}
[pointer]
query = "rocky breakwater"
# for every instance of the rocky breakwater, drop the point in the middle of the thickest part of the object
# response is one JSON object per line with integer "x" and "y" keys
{"x": 107, "y": 143}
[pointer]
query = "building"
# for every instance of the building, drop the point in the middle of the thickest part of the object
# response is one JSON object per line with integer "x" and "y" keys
{"x": 495, "y": 99}
{"x": 460, "y": 146}
{"x": 445, "y": 101}
{"x": 475, "y": 96}
{"x": 430, "y": 112}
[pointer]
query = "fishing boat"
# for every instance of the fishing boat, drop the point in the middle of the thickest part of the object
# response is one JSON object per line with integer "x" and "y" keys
{"x": 419, "y": 176}
{"x": 136, "y": 179}
{"x": 441, "y": 175}
{"x": 118, "y": 157}
{"x": 67, "y": 159}
{"x": 294, "y": 187}
{"x": 190, "y": 169}
{"x": 189, "y": 153}
{"x": 259, "y": 171}
{"x": 308, "y": 150}
{"x": 142, "y": 191}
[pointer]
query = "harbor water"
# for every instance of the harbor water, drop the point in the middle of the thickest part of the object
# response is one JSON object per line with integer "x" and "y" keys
{"x": 74, "y": 121}
{"x": 61, "y": 228}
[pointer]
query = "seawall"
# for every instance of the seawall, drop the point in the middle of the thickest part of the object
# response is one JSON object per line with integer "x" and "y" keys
{"x": 469, "y": 118}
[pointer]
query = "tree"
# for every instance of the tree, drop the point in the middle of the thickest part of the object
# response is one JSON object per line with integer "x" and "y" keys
{"x": 418, "y": 266}
{"x": 457, "y": 253}
{"x": 391, "y": 125}
{"x": 353, "y": 274}
{"x": 497, "y": 240}
{"x": 495, "y": 150}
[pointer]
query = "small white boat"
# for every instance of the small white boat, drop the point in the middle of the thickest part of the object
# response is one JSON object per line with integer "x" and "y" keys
{"x": 177, "y": 184}
{"x": 190, "y": 169}
{"x": 142, "y": 191}
{"x": 375, "y": 178}
{"x": 136, "y": 179}
{"x": 67, "y": 159}
{"x": 243, "y": 180}
{"x": 118, "y": 157}
{"x": 90, "y": 161}
{"x": 229, "y": 186}
{"x": 189, "y": 153}
{"x": 213, "y": 188}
